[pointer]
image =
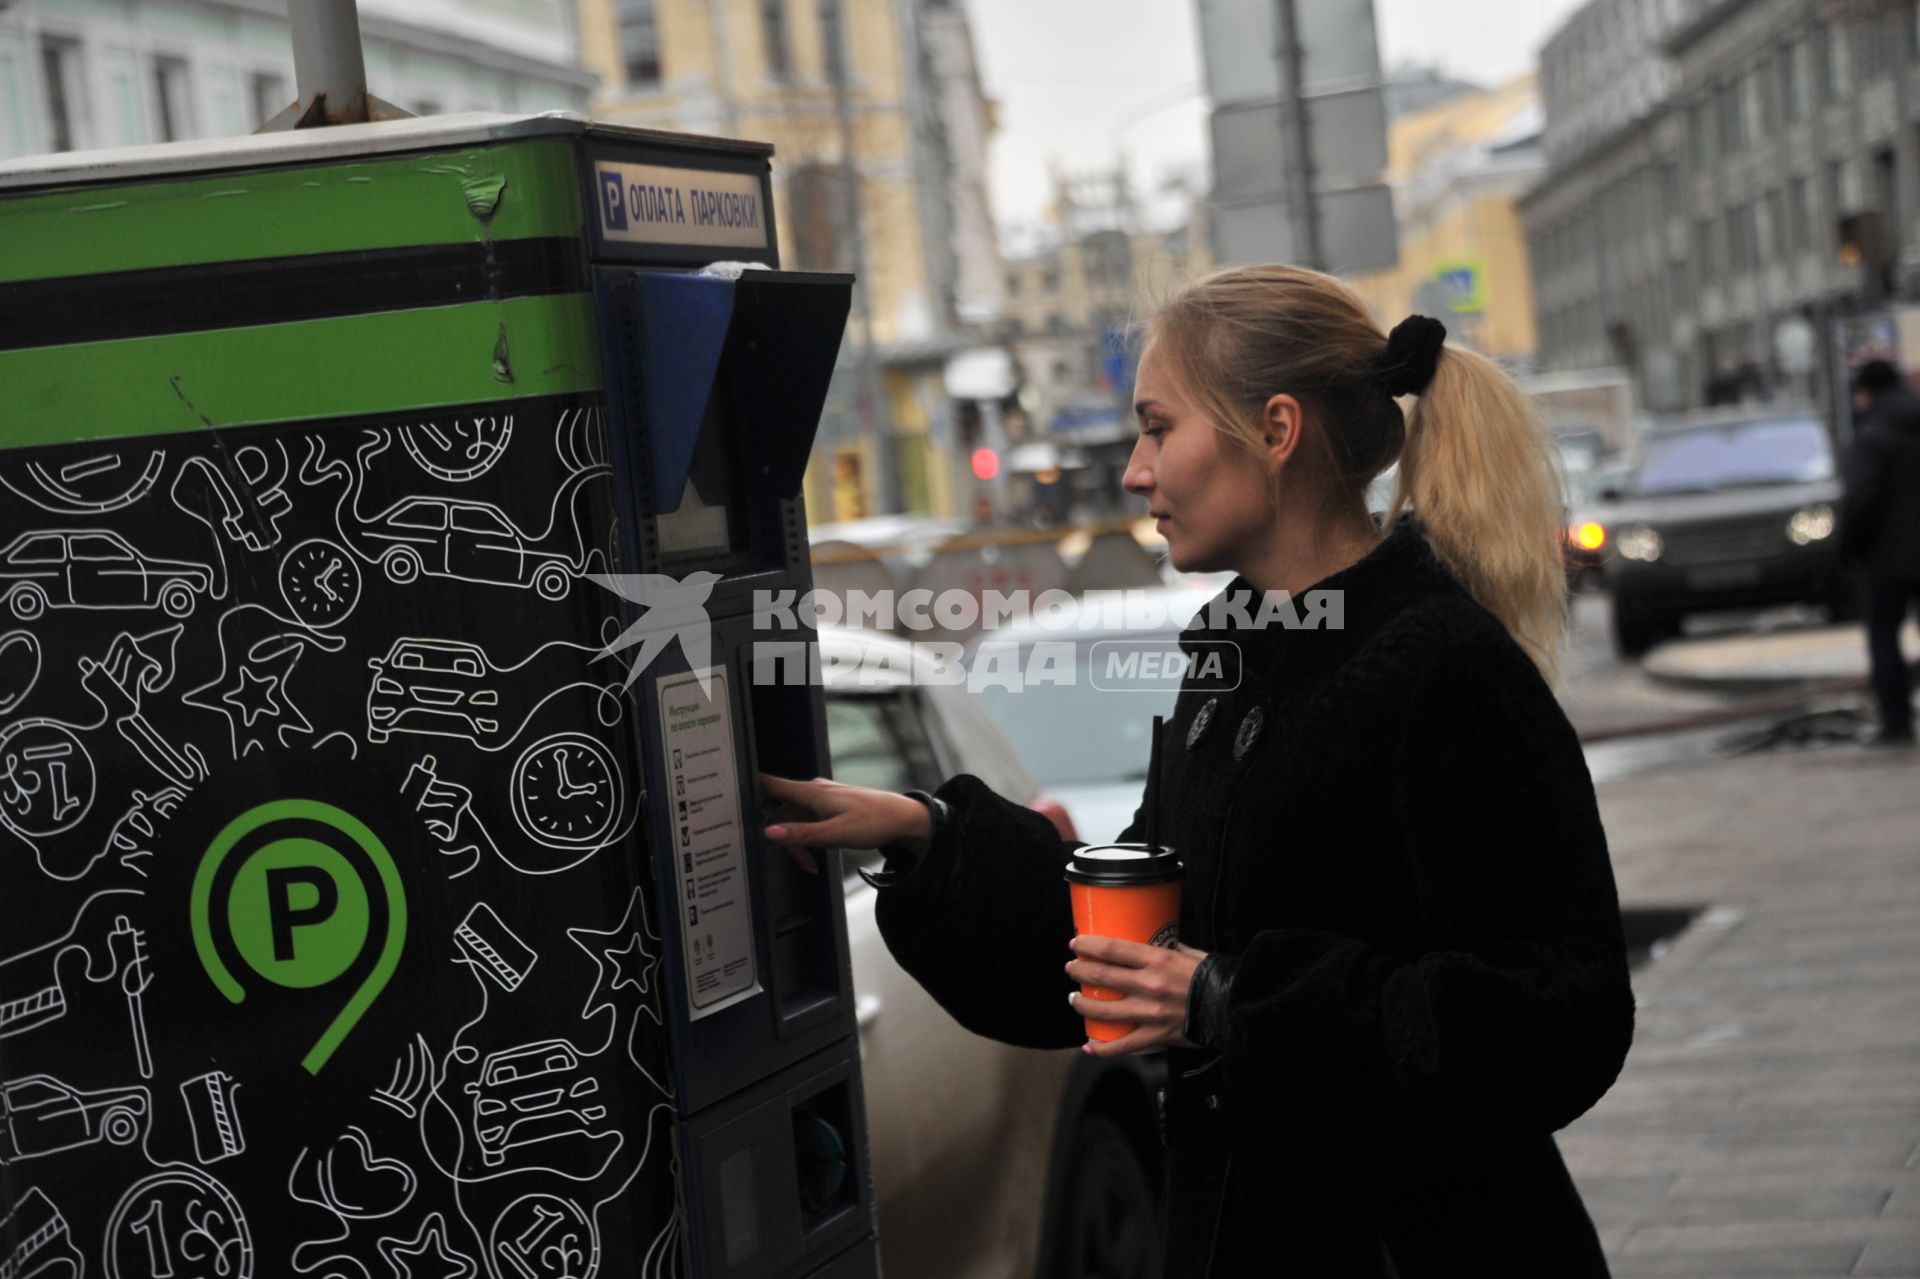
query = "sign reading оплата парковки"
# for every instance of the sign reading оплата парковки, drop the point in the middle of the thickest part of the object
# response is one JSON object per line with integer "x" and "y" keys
{"x": 656, "y": 204}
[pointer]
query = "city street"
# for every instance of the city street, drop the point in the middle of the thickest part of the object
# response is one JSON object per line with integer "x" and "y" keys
{"x": 423, "y": 460}
{"x": 1603, "y": 692}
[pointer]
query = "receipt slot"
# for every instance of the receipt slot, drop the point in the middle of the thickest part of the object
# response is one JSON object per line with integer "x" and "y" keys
{"x": 381, "y": 513}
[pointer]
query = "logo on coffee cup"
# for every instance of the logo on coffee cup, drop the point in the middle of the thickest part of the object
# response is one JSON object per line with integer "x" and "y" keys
{"x": 1166, "y": 936}
{"x": 301, "y": 894}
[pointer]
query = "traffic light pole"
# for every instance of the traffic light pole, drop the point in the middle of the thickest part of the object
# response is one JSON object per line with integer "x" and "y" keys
{"x": 1293, "y": 119}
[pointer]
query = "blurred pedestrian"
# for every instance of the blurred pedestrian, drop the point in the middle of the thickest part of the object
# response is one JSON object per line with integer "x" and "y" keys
{"x": 1400, "y": 966}
{"x": 1880, "y": 531}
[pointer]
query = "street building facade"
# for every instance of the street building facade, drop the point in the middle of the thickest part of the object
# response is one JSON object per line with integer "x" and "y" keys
{"x": 81, "y": 74}
{"x": 879, "y": 127}
{"x": 1102, "y": 259}
{"x": 1727, "y": 178}
{"x": 1458, "y": 170}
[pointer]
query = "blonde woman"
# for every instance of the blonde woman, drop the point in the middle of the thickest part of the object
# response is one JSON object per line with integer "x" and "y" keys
{"x": 1401, "y": 967}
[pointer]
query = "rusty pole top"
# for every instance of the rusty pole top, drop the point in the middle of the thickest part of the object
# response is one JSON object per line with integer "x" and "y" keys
{"x": 327, "y": 63}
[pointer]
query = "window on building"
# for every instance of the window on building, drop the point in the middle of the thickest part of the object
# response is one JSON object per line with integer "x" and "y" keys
{"x": 639, "y": 28}
{"x": 1732, "y": 120}
{"x": 172, "y": 100}
{"x": 1013, "y": 284}
{"x": 1056, "y": 324}
{"x": 1839, "y": 45}
{"x": 1799, "y": 216}
{"x": 1670, "y": 204}
{"x": 774, "y": 38}
{"x": 832, "y": 39}
{"x": 1773, "y": 237}
{"x": 1700, "y": 134}
{"x": 1790, "y": 66}
{"x": 1705, "y": 250}
{"x": 1757, "y": 103}
{"x": 1050, "y": 280}
{"x": 820, "y": 213}
{"x": 1747, "y": 218}
{"x": 60, "y": 72}
{"x": 1886, "y": 187}
{"x": 1873, "y": 58}
{"x": 1107, "y": 259}
{"x": 1838, "y": 203}
{"x": 269, "y": 94}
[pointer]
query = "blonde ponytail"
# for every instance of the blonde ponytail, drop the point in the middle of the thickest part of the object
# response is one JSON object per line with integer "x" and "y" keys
{"x": 1481, "y": 472}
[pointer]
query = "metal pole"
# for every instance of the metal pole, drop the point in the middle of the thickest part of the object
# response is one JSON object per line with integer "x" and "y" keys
{"x": 1293, "y": 120}
{"x": 326, "y": 58}
{"x": 873, "y": 417}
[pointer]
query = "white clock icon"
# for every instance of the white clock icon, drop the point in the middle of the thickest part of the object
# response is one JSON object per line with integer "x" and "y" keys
{"x": 567, "y": 791}
{"x": 320, "y": 581}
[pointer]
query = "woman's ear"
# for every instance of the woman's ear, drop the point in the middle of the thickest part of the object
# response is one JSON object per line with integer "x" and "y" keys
{"x": 1281, "y": 425}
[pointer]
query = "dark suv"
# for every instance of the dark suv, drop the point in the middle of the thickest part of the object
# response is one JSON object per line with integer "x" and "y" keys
{"x": 1721, "y": 513}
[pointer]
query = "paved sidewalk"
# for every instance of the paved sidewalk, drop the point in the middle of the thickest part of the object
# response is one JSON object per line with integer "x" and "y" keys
{"x": 1768, "y": 1120}
{"x": 1756, "y": 661}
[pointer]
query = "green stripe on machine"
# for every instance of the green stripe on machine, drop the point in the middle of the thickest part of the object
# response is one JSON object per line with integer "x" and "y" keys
{"x": 350, "y": 365}
{"x": 503, "y": 192}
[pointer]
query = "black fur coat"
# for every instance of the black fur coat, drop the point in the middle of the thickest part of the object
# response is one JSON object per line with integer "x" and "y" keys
{"x": 1391, "y": 825}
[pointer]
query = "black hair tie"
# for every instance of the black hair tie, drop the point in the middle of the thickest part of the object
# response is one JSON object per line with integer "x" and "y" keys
{"x": 1405, "y": 366}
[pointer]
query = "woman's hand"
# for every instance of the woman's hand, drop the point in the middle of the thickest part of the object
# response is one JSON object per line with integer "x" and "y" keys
{"x": 1152, "y": 981}
{"x": 824, "y": 814}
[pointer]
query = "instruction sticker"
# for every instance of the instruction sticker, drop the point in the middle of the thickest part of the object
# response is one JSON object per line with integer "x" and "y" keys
{"x": 656, "y": 204}
{"x": 709, "y": 848}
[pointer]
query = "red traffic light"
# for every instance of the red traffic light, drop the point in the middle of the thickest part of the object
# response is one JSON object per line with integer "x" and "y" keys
{"x": 986, "y": 464}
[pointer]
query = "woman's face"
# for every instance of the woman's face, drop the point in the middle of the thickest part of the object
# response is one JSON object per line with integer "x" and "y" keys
{"x": 1209, "y": 497}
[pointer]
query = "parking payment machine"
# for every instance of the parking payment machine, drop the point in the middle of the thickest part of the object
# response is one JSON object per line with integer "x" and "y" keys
{"x": 382, "y": 511}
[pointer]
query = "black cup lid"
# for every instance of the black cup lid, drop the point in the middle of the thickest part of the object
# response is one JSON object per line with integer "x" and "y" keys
{"x": 1123, "y": 865}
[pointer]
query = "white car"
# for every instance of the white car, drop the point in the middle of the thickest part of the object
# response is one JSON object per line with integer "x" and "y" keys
{"x": 1088, "y": 740}
{"x": 988, "y": 1160}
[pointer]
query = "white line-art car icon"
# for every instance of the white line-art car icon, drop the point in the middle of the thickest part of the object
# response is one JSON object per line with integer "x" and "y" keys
{"x": 94, "y": 569}
{"x": 444, "y": 687}
{"x": 472, "y": 541}
{"x": 40, "y": 1115}
{"x": 451, "y": 688}
{"x": 532, "y": 1094}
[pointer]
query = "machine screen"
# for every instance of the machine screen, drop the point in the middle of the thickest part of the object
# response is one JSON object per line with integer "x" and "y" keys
{"x": 710, "y": 520}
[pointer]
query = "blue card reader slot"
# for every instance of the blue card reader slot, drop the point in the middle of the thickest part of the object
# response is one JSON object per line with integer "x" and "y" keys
{"x": 773, "y": 335}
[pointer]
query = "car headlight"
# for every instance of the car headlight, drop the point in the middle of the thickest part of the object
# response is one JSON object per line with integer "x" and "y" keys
{"x": 1590, "y": 536}
{"x": 1811, "y": 524}
{"x": 1640, "y": 542}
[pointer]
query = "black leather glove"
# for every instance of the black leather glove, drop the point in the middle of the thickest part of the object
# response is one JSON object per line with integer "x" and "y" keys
{"x": 1207, "y": 1001}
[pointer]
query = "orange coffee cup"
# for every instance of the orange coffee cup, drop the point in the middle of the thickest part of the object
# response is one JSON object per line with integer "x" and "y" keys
{"x": 1130, "y": 891}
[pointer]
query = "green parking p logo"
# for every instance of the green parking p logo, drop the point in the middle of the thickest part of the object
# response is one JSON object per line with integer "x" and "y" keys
{"x": 302, "y": 891}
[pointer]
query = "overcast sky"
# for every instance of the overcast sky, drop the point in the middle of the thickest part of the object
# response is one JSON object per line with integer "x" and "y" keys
{"x": 1079, "y": 80}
